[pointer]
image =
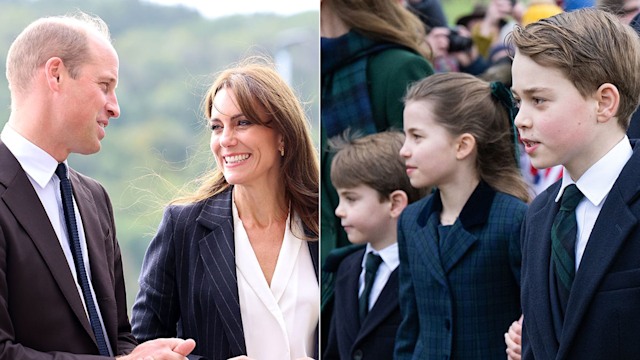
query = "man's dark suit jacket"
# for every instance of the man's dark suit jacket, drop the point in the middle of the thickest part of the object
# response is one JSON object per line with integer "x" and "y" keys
{"x": 602, "y": 318}
{"x": 189, "y": 279}
{"x": 375, "y": 339}
{"x": 41, "y": 312}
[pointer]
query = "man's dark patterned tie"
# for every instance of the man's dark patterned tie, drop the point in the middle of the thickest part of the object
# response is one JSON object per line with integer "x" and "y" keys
{"x": 74, "y": 239}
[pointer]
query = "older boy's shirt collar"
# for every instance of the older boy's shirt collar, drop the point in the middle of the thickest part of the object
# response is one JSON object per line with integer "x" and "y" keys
{"x": 389, "y": 255}
{"x": 598, "y": 180}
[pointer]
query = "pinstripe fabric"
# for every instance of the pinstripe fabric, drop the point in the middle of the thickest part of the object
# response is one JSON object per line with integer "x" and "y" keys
{"x": 188, "y": 283}
{"x": 459, "y": 304}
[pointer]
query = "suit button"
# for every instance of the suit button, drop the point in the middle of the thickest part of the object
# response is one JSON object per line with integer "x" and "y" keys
{"x": 447, "y": 324}
{"x": 357, "y": 355}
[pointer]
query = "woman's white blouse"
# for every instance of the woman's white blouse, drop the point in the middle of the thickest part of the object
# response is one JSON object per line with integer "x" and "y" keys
{"x": 279, "y": 322}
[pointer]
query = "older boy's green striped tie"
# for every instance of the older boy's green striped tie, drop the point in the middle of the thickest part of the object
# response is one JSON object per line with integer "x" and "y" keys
{"x": 563, "y": 240}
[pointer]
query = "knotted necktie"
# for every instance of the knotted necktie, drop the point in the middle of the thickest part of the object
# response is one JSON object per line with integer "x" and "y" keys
{"x": 563, "y": 241}
{"x": 76, "y": 250}
{"x": 370, "y": 269}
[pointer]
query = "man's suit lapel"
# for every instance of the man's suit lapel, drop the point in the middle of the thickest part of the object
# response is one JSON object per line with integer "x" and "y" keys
{"x": 218, "y": 254}
{"x": 539, "y": 320}
{"x": 386, "y": 303}
{"x": 23, "y": 201}
{"x": 612, "y": 227}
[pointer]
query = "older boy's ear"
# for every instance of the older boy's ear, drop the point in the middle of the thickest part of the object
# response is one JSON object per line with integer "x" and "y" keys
{"x": 399, "y": 201}
{"x": 466, "y": 145}
{"x": 608, "y": 99}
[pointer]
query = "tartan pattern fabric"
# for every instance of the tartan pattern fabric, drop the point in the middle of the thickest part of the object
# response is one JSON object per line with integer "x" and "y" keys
{"x": 346, "y": 102}
{"x": 563, "y": 243}
{"x": 458, "y": 303}
{"x": 66, "y": 193}
{"x": 370, "y": 269}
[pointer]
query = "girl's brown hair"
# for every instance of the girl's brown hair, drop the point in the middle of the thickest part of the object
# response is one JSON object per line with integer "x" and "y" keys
{"x": 462, "y": 104}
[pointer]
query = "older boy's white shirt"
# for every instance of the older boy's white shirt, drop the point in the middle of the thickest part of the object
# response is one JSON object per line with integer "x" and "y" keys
{"x": 279, "y": 322}
{"x": 595, "y": 184}
{"x": 390, "y": 261}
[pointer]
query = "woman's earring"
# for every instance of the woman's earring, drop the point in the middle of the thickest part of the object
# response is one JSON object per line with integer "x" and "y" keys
{"x": 282, "y": 151}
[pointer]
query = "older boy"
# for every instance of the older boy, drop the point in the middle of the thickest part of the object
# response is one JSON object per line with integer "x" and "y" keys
{"x": 373, "y": 188}
{"x": 576, "y": 77}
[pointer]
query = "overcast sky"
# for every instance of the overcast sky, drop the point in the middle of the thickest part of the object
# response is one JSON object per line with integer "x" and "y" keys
{"x": 219, "y": 8}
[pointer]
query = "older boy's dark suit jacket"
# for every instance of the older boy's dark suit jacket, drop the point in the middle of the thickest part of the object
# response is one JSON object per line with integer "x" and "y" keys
{"x": 189, "y": 279}
{"x": 376, "y": 337}
{"x": 603, "y": 313}
{"x": 41, "y": 312}
{"x": 458, "y": 299}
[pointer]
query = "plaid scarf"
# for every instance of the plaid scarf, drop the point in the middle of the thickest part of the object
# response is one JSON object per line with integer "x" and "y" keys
{"x": 345, "y": 94}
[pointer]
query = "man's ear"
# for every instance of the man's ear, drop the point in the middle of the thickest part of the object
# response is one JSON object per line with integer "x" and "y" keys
{"x": 53, "y": 69}
{"x": 608, "y": 99}
{"x": 466, "y": 143}
{"x": 399, "y": 200}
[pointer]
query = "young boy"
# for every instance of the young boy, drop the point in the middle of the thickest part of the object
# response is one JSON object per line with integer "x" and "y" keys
{"x": 373, "y": 189}
{"x": 576, "y": 77}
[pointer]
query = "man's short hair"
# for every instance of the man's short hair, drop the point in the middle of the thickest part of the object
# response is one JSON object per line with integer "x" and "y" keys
{"x": 65, "y": 37}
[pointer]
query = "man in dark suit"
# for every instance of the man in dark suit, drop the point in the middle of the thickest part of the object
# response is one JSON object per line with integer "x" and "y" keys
{"x": 373, "y": 189}
{"x": 580, "y": 238}
{"x": 62, "y": 292}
